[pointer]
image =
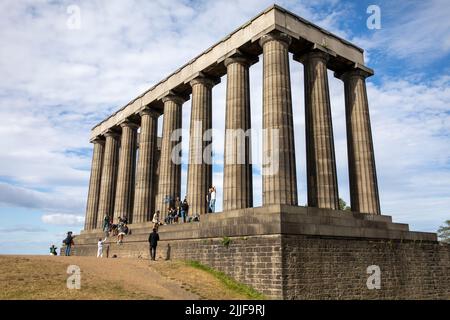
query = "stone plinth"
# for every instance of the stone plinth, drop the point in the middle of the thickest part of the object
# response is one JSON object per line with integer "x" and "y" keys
{"x": 290, "y": 252}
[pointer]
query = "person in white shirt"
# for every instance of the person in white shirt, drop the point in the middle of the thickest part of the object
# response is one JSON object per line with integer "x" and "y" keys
{"x": 100, "y": 247}
{"x": 212, "y": 201}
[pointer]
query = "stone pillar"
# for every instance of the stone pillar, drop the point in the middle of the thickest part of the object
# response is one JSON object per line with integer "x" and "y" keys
{"x": 279, "y": 171}
{"x": 361, "y": 159}
{"x": 94, "y": 184}
{"x": 109, "y": 177}
{"x": 144, "y": 202}
{"x": 237, "y": 171}
{"x": 200, "y": 167}
{"x": 321, "y": 161}
{"x": 170, "y": 165}
{"x": 123, "y": 206}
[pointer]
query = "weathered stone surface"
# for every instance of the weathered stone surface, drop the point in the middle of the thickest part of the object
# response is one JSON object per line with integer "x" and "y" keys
{"x": 170, "y": 169}
{"x": 320, "y": 155}
{"x": 237, "y": 169}
{"x": 94, "y": 184}
{"x": 200, "y": 145}
{"x": 361, "y": 158}
{"x": 290, "y": 252}
{"x": 123, "y": 206}
{"x": 109, "y": 177}
{"x": 144, "y": 200}
{"x": 279, "y": 171}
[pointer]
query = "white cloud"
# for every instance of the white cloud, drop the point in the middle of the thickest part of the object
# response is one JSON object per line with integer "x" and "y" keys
{"x": 63, "y": 219}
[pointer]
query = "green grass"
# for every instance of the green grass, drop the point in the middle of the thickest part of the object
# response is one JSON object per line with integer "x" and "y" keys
{"x": 229, "y": 282}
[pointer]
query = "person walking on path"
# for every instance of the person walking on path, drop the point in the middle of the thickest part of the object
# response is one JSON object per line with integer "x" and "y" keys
{"x": 153, "y": 241}
{"x": 68, "y": 242}
{"x": 100, "y": 247}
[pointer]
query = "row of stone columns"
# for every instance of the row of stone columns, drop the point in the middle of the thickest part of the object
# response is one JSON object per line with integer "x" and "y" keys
{"x": 113, "y": 187}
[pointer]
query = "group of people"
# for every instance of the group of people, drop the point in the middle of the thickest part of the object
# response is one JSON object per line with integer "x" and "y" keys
{"x": 178, "y": 211}
{"x": 120, "y": 229}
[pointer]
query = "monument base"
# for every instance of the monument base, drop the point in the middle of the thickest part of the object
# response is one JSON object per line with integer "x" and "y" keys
{"x": 289, "y": 252}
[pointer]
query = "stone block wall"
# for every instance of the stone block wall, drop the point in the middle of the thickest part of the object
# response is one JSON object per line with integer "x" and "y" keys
{"x": 333, "y": 268}
{"x": 311, "y": 267}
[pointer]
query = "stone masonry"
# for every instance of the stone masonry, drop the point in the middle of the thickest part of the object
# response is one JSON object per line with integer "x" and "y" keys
{"x": 283, "y": 250}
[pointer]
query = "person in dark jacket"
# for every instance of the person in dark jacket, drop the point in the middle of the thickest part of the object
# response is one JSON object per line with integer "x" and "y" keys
{"x": 68, "y": 242}
{"x": 153, "y": 241}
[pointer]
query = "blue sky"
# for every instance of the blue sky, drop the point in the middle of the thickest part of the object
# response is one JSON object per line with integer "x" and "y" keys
{"x": 58, "y": 82}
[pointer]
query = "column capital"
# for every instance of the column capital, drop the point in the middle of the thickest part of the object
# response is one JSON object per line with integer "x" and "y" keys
{"x": 112, "y": 133}
{"x": 204, "y": 80}
{"x": 356, "y": 70}
{"x": 98, "y": 139}
{"x": 241, "y": 58}
{"x": 151, "y": 112}
{"x": 312, "y": 54}
{"x": 129, "y": 124}
{"x": 178, "y": 99}
{"x": 276, "y": 36}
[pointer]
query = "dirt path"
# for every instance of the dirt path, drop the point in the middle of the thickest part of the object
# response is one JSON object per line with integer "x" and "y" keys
{"x": 45, "y": 277}
{"x": 25, "y": 277}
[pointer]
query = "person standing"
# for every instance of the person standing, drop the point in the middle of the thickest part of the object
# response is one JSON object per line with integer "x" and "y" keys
{"x": 106, "y": 224}
{"x": 153, "y": 242}
{"x": 212, "y": 202}
{"x": 208, "y": 200}
{"x": 178, "y": 207}
{"x": 184, "y": 210}
{"x": 100, "y": 247}
{"x": 68, "y": 242}
{"x": 156, "y": 221}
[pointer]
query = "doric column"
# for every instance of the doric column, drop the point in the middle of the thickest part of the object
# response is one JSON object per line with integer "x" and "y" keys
{"x": 321, "y": 161}
{"x": 361, "y": 159}
{"x": 144, "y": 194}
{"x": 170, "y": 161}
{"x": 279, "y": 171}
{"x": 123, "y": 206}
{"x": 94, "y": 184}
{"x": 237, "y": 171}
{"x": 200, "y": 162}
{"x": 109, "y": 177}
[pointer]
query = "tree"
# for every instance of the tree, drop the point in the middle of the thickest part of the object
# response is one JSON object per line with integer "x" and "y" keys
{"x": 444, "y": 232}
{"x": 343, "y": 205}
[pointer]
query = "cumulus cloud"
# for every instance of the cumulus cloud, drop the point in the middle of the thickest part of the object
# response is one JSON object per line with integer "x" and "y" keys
{"x": 63, "y": 219}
